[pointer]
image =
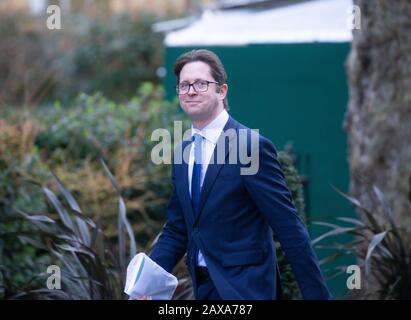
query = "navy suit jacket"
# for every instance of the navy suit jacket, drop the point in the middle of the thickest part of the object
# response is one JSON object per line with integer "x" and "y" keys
{"x": 234, "y": 225}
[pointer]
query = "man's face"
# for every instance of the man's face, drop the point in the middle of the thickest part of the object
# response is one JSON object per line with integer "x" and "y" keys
{"x": 201, "y": 106}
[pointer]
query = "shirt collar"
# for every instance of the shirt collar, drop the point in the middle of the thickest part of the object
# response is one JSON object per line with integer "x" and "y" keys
{"x": 212, "y": 131}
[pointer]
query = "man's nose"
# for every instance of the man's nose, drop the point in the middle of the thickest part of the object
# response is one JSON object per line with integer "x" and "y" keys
{"x": 191, "y": 90}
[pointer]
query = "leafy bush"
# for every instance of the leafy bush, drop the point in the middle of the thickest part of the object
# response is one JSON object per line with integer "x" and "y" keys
{"x": 96, "y": 126}
{"x": 381, "y": 246}
{"x": 19, "y": 163}
{"x": 294, "y": 184}
{"x": 90, "y": 268}
{"x": 74, "y": 139}
{"x": 114, "y": 55}
{"x": 27, "y": 75}
{"x": 48, "y": 139}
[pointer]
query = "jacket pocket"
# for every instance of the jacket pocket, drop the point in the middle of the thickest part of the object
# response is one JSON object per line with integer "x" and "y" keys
{"x": 241, "y": 258}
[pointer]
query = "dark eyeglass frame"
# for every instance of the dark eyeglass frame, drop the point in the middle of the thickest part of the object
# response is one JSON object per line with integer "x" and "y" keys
{"x": 194, "y": 88}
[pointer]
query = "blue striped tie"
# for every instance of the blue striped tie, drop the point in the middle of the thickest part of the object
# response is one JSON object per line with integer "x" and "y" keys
{"x": 196, "y": 176}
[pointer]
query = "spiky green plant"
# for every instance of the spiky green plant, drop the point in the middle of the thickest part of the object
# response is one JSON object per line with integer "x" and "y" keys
{"x": 381, "y": 246}
{"x": 90, "y": 268}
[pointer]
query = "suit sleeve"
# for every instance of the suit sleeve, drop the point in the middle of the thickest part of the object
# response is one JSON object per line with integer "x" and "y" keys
{"x": 268, "y": 190}
{"x": 172, "y": 243}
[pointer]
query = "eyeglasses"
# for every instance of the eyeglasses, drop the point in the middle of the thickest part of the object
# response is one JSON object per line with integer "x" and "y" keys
{"x": 198, "y": 86}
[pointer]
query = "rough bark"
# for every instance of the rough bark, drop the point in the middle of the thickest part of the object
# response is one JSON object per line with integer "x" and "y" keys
{"x": 378, "y": 120}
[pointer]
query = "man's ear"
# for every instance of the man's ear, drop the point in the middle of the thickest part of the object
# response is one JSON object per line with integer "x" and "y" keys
{"x": 222, "y": 90}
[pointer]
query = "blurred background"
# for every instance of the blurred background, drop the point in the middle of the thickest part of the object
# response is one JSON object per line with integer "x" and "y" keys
{"x": 328, "y": 81}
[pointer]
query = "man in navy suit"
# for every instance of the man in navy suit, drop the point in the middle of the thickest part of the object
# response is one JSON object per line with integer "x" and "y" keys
{"x": 222, "y": 218}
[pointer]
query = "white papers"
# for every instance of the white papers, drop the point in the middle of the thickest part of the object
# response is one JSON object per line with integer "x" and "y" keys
{"x": 146, "y": 277}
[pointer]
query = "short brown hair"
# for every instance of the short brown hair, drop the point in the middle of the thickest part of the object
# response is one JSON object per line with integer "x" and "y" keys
{"x": 208, "y": 57}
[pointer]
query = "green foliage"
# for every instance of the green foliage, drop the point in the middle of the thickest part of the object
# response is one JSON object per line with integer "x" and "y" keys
{"x": 97, "y": 126}
{"x": 293, "y": 181}
{"x": 26, "y": 71}
{"x": 381, "y": 246}
{"x": 294, "y": 184}
{"x": 19, "y": 163}
{"x": 90, "y": 267}
{"x": 70, "y": 141}
{"x": 113, "y": 55}
{"x": 73, "y": 140}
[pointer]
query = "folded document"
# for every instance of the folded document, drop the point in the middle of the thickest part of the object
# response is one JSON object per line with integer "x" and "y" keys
{"x": 146, "y": 277}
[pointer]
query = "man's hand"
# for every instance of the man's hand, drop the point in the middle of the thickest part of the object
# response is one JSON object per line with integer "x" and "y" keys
{"x": 143, "y": 297}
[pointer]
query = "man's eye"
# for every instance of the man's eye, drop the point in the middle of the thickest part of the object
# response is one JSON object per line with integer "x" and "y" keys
{"x": 202, "y": 83}
{"x": 183, "y": 85}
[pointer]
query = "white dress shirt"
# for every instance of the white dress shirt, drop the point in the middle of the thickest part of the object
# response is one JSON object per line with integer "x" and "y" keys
{"x": 210, "y": 134}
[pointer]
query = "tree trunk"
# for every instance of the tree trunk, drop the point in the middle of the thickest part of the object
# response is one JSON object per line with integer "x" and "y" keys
{"x": 378, "y": 120}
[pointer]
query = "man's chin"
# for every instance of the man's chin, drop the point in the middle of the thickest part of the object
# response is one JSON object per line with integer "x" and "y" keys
{"x": 194, "y": 113}
{"x": 192, "y": 108}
